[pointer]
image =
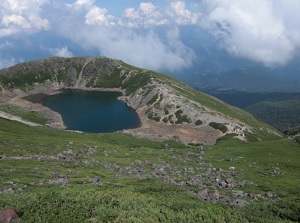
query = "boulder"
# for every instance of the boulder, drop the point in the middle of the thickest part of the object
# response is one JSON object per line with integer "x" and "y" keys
{"x": 6, "y": 191}
{"x": 61, "y": 156}
{"x": 69, "y": 152}
{"x": 203, "y": 194}
{"x": 240, "y": 202}
{"x": 229, "y": 180}
{"x": 239, "y": 193}
{"x": 8, "y": 216}
{"x": 96, "y": 180}
{"x": 269, "y": 195}
{"x": 215, "y": 196}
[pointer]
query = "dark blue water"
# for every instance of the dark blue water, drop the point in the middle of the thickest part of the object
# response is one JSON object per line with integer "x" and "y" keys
{"x": 92, "y": 111}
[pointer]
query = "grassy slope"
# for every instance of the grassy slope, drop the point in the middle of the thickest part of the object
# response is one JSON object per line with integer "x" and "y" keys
{"x": 23, "y": 113}
{"x": 127, "y": 199}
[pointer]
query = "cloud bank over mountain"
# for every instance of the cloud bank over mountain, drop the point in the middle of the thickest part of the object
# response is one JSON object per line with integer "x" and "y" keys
{"x": 264, "y": 31}
{"x": 149, "y": 33}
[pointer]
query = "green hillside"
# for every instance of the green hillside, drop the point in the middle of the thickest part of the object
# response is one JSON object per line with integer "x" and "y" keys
{"x": 46, "y": 189}
{"x": 282, "y": 114}
{"x": 280, "y": 110}
{"x": 51, "y": 175}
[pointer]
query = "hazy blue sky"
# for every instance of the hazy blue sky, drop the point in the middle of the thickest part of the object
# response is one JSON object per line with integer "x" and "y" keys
{"x": 159, "y": 34}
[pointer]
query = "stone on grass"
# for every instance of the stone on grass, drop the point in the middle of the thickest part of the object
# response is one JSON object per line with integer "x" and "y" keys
{"x": 8, "y": 216}
{"x": 96, "y": 180}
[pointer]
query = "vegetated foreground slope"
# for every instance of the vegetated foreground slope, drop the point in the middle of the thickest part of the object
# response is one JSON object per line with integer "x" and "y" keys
{"x": 168, "y": 109}
{"x": 51, "y": 175}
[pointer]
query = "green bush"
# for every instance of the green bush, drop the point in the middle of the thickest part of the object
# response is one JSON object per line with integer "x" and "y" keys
{"x": 165, "y": 119}
{"x": 181, "y": 118}
{"x": 218, "y": 126}
{"x": 198, "y": 122}
{"x": 153, "y": 116}
{"x": 153, "y": 99}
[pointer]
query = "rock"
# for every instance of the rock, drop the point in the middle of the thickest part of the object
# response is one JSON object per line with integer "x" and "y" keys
{"x": 86, "y": 163}
{"x": 8, "y": 182}
{"x": 238, "y": 193}
{"x": 61, "y": 156}
{"x": 226, "y": 199}
{"x": 241, "y": 184}
{"x": 61, "y": 181}
{"x": 253, "y": 195}
{"x": 197, "y": 180}
{"x": 203, "y": 194}
{"x": 222, "y": 184}
{"x": 240, "y": 202}
{"x": 215, "y": 196}
{"x": 229, "y": 180}
{"x": 269, "y": 195}
{"x": 170, "y": 181}
{"x": 6, "y": 191}
{"x": 96, "y": 180}
{"x": 8, "y": 216}
{"x": 230, "y": 186}
{"x": 69, "y": 152}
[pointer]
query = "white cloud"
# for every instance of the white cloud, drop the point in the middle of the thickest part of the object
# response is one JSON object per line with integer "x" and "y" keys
{"x": 61, "y": 52}
{"x": 146, "y": 15}
{"x": 83, "y": 3}
{"x": 182, "y": 15}
{"x": 96, "y": 29}
{"x": 21, "y": 16}
{"x": 148, "y": 50}
{"x": 93, "y": 14}
{"x": 144, "y": 49}
{"x": 262, "y": 30}
{"x": 98, "y": 16}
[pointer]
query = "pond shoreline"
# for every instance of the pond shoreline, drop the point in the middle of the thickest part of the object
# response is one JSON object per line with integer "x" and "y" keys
{"x": 17, "y": 98}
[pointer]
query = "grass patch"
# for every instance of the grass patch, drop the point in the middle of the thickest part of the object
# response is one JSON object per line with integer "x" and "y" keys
{"x": 23, "y": 113}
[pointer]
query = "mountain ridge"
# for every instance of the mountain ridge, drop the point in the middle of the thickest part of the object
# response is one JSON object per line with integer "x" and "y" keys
{"x": 168, "y": 109}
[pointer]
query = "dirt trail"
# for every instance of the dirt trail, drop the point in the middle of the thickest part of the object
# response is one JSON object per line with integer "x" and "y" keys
{"x": 88, "y": 60}
{"x": 16, "y": 118}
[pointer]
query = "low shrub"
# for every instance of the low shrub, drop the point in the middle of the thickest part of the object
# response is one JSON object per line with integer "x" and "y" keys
{"x": 198, "y": 122}
{"x": 218, "y": 126}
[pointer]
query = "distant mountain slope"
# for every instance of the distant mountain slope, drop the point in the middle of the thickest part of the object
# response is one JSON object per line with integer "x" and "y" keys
{"x": 249, "y": 79}
{"x": 167, "y": 108}
{"x": 281, "y": 110}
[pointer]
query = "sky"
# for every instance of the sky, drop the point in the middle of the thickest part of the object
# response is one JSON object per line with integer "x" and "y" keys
{"x": 162, "y": 35}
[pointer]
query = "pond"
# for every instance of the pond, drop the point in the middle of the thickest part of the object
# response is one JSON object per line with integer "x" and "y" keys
{"x": 90, "y": 111}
